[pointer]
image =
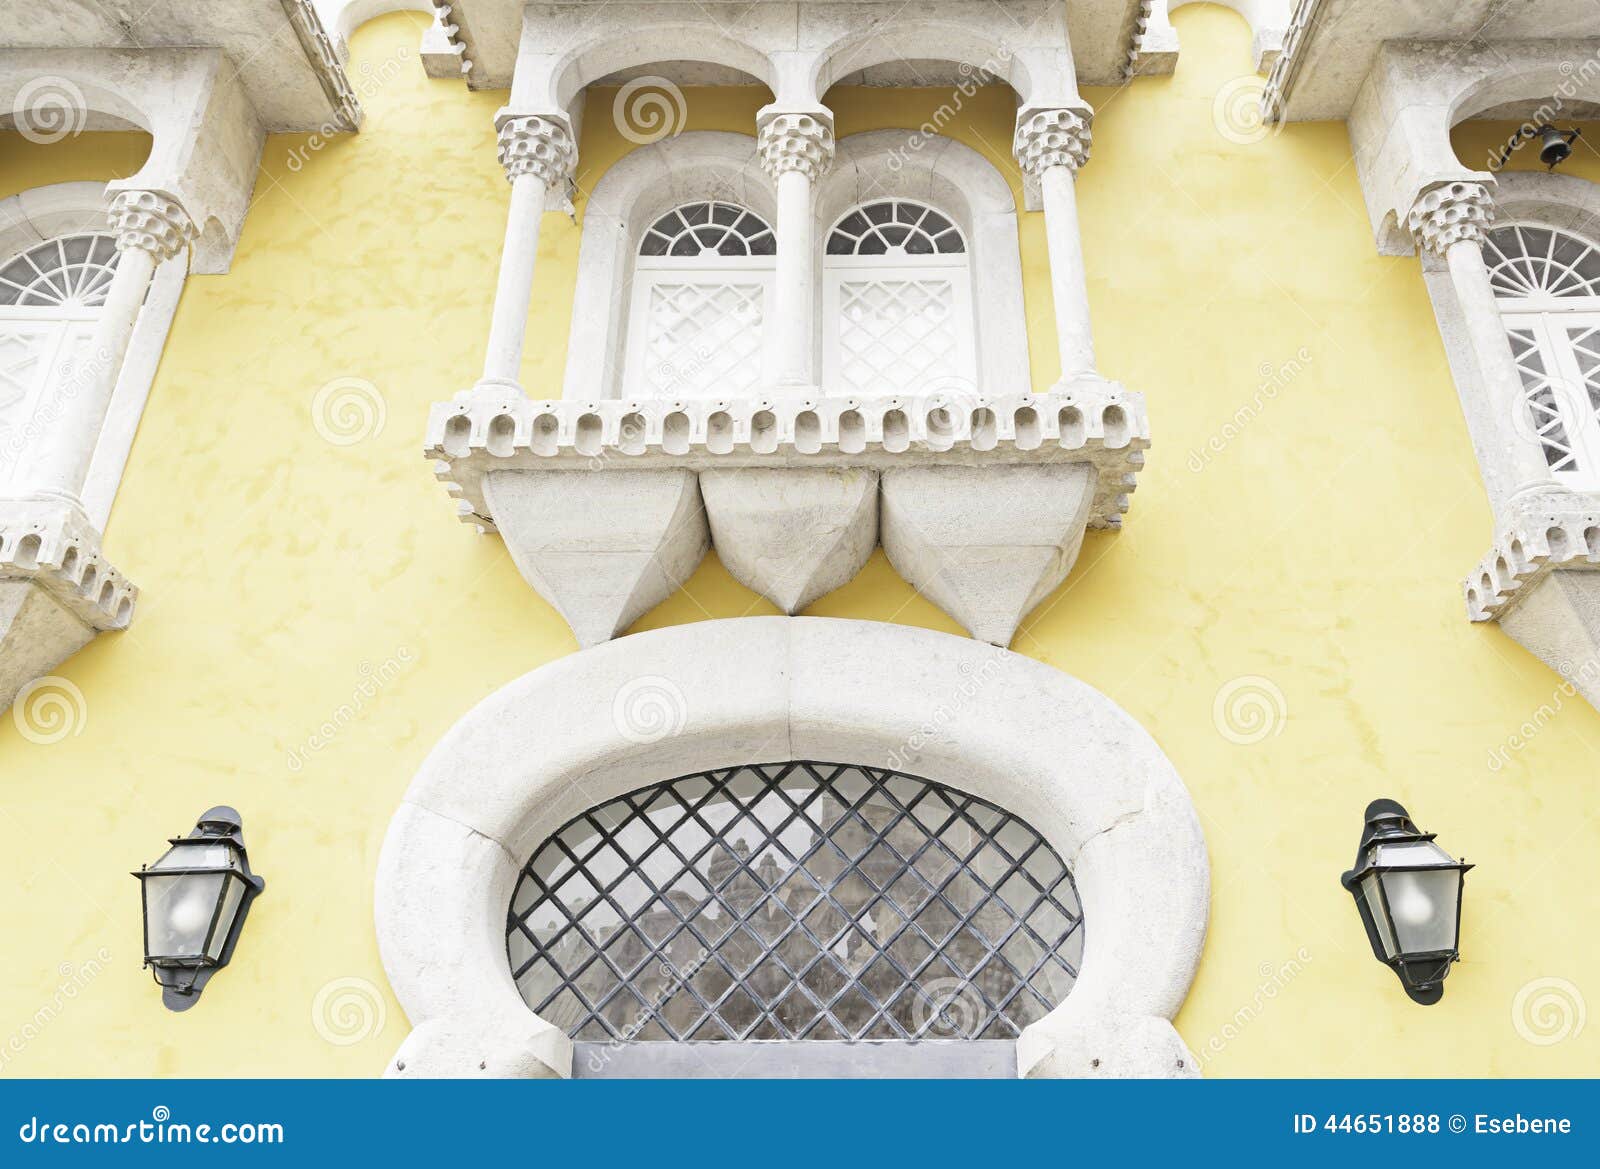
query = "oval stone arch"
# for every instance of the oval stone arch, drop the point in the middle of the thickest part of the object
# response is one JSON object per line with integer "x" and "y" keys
{"x": 631, "y": 713}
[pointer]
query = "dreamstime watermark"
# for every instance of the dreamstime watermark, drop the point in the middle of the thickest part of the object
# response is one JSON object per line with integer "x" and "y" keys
{"x": 49, "y": 709}
{"x": 48, "y": 109}
{"x": 347, "y": 1011}
{"x": 366, "y": 79}
{"x": 949, "y": 1008}
{"x": 974, "y": 677}
{"x": 1547, "y": 1011}
{"x": 1274, "y": 379}
{"x": 372, "y": 680}
{"x": 1574, "y": 78}
{"x": 348, "y": 410}
{"x": 1274, "y": 980}
{"x": 75, "y": 377}
{"x": 648, "y": 709}
{"x": 672, "y": 979}
{"x": 1249, "y": 709}
{"x": 1239, "y": 113}
{"x": 1572, "y": 679}
{"x": 973, "y": 78}
{"x": 74, "y": 980}
{"x": 648, "y": 109}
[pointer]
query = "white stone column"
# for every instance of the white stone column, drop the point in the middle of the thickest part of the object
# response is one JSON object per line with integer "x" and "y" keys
{"x": 150, "y": 227}
{"x": 1449, "y": 221}
{"x": 538, "y": 154}
{"x": 1050, "y": 146}
{"x": 796, "y": 150}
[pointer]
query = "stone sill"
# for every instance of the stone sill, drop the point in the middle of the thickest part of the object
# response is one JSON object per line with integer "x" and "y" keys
{"x": 1097, "y": 423}
{"x": 1565, "y": 535}
{"x": 56, "y": 549}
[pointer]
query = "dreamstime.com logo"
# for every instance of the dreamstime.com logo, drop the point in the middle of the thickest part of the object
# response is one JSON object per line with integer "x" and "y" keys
{"x": 1238, "y": 113}
{"x": 49, "y": 709}
{"x": 1547, "y": 1011}
{"x": 648, "y": 109}
{"x": 48, "y": 109}
{"x": 649, "y": 709}
{"x": 348, "y": 410}
{"x": 950, "y": 1008}
{"x": 1249, "y": 710}
{"x": 160, "y": 1129}
{"x": 347, "y": 1011}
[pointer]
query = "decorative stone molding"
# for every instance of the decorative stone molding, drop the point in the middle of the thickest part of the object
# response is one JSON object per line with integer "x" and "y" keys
{"x": 1154, "y": 44}
{"x": 1450, "y": 213}
{"x": 324, "y": 58}
{"x": 1281, "y": 78}
{"x": 150, "y": 220}
{"x": 986, "y": 500}
{"x": 1008, "y": 729}
{"x": 57, "y": 591}
{"x": 537, "y": 144}
{"x": 1056, "y": 137}
{"x": 795, "y": 141}
{"x": 1539, "y": 541}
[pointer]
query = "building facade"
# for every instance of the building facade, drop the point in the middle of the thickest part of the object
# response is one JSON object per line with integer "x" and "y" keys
{"x": 800, "y": 538}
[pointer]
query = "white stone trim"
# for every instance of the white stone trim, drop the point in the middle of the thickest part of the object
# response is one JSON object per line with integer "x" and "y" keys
{"x": 1045, "y": 746}
{"x": 1156, "y": 47}
{"x": 44, "y": 213}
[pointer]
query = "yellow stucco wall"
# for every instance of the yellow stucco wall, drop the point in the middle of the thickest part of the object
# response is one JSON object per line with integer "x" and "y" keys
{"x": 1319, "y": 548}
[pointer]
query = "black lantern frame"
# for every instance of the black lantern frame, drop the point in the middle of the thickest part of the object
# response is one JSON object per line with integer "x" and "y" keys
{"x": 182, "y": 976}
{"x": 1421, "y": 972}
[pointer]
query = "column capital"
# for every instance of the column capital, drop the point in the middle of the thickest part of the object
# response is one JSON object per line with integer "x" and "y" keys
{"x": 1052, "y": 137}
{"x": 1450, "y": 212}
{"x": 152, "y": 221}
{"x": 536, "y": 144}
{"x": 795, "y": 140}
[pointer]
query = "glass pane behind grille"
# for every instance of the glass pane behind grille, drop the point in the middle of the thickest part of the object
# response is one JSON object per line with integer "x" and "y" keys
{"x": 795, "y": 901}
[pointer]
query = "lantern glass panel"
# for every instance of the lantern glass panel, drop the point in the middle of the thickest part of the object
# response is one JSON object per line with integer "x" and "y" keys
{"x": 200, "y": 854}
{"x": 1412, "y": 852}
{"x": 1423, "y": 904}
{"x": 178, "y": 913}
{"x": 230, "y": 910}
{"x": 1374, "y": 903}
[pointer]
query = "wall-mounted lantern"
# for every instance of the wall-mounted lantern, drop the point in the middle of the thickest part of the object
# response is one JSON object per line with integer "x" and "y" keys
{"x": 1408, "y": 890}
{"x": 195, "y": 901}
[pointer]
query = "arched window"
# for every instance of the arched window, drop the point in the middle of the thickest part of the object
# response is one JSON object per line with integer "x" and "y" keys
{"x": 897, "y": 302}
{"x": 702, "y": 281}
{"x": 50, "y": 297}
{"x": 1547, "y": 283}
{"x": 795, "y": 901}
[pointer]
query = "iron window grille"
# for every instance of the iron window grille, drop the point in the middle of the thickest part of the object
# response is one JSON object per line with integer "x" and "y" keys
{"x": 794, "y": 901}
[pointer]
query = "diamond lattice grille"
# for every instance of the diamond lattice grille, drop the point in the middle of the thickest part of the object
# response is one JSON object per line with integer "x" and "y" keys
{"x": 703, "y": 339}
{"x": 795, "y": 901}
{"x": 897, "y": 335}
{"x": 1543, "y": 398}
{"x": 73, "y": 271}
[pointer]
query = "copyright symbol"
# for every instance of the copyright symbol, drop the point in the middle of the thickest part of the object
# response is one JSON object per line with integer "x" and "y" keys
{"x": 1458, "y": 1123}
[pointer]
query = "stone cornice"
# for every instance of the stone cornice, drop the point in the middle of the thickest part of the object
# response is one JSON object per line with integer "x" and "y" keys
{"x": 795, "y": 140}
{"x": 1052, "y": 137}
{"x": 1449, "y": 213}
{"x": 1564, "y": 534}
{"x": 152, "y": 221}
{"x": 56, "y": 548}
{"x": 1100, "y": 424}
{"x": 536, "y": 144}
{"x": 1280, "y": 81}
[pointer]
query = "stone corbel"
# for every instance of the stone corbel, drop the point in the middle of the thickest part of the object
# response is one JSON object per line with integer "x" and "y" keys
{"x": 56, "y": 591}
{"x": 607, "y": 507}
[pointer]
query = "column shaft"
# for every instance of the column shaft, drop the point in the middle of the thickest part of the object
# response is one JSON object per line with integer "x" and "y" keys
{"x": 514, "y": 290}
{"x": 1068, "y": 284}
{"x": 792, "y": 309}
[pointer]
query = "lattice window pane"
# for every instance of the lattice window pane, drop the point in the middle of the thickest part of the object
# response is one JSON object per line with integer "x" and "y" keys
{"x": 1543, "y": 400}
{"x": 795, "y": 901}
{"x": 702, "y": 339}
{"x": 896, "y": 336}
{"x": 71, "y": 271}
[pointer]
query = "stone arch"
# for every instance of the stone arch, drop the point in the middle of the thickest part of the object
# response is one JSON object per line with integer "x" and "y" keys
{"x": 557, "y": 741}
{"x": 1556, "y": 200}
{"x": 669, "y": 39}
{"x": 977, "y": 47}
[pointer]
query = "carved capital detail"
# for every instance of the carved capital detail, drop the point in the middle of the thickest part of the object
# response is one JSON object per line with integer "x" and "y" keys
{"x": 795, "y": 141}
{"x": 152, "y": 221}
{"x": 1450, "y": 213}
{"x": 1047, "y": 138}
{"x": 537, "y": 145}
